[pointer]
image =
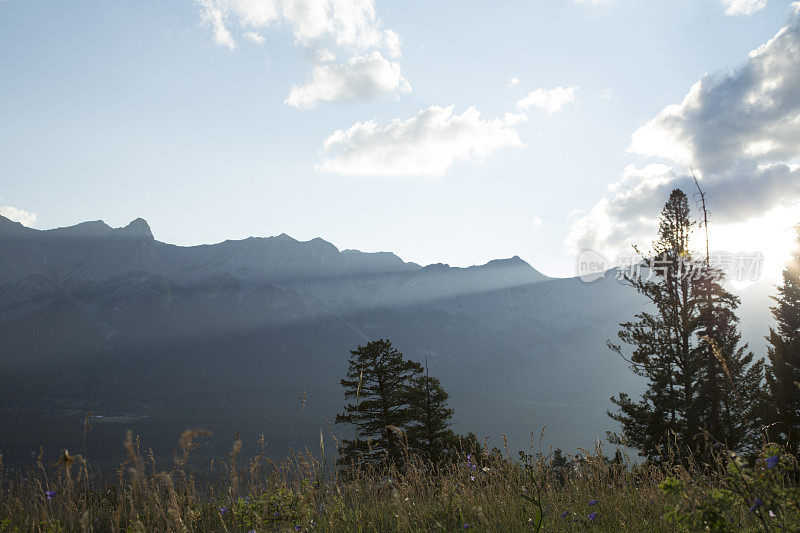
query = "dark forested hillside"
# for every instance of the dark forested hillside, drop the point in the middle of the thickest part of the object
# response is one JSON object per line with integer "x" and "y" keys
{"x": 157, "y": 338}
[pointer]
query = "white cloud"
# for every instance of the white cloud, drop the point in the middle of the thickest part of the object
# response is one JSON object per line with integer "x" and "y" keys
{"x": 743, "y": 7}
{"x": 351, "y": 26}
{"x": 549, "y": 100}
{"x": 19, "y": 215}
{"x": 426, "y": 144}
{"x": 213, "y": 16}
{"x": 347, "y": 23}
{"x": 733, "y": 7}
{"x": 740, "y": 131}
{"x": 254, "y": 37}
{"x": 512, "y": 82}
{"x": 360, "y": 78}
{"x": 605, "y": 94}
{"x": 537, "y": 222}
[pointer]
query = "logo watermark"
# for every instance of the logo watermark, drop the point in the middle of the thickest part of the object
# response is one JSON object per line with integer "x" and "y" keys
{"x": 591, "y": 266}
{"x": 733, "y": 266}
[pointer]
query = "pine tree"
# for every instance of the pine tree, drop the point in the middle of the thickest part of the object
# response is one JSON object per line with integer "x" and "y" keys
{"x": 730, "y": 390}
{"x": 664, "y": 343}
{"x": 700, "y": 380}
{"x": 378, "y": 382}
{"x": 428, "y": 432}
{"x": 783, "y": 373}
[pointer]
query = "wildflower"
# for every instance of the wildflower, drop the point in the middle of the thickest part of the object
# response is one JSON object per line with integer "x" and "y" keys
{"x": 592, "y": 502}
{"x": 486, "y": 469}
{"x": 276, "y": 514}
{"x": 592, "y": 517}
{"x": 772, "y": 514}
{"x": 223, "y": 510}
{"x": 564, "y": 514}
{"x": 756, "y": 504}
{"x": 467, "y": 526}
{"x": 524, "y": 490}
{"x": 50, "y": 494}
{"x": 298, "y": 528}
{"x": 472, "y": 478}
{"x": 773, "y": 461}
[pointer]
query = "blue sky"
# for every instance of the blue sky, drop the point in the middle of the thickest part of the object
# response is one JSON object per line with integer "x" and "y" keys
{"x": 453, "y": 132}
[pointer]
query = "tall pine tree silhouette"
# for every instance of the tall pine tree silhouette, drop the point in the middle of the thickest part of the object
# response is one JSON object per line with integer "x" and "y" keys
{"x": 428, "y": 432}
{"x": 730, "y": 392}
{"x": 700, "y": 380}
{"x": 664, "y": 342}
{"x": 783, "y": 372}
{"x": 378, "y": 381}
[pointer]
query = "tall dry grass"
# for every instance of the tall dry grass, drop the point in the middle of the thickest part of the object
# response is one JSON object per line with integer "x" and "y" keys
{"x": 481, "y": 491}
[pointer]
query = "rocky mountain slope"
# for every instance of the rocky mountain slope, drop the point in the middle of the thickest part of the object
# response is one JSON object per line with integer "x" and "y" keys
{"x": 158, "y": 337}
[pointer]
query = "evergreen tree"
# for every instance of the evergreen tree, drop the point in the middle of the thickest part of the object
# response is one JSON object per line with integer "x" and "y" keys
{"x": 664, "y": 345}
{"x": 783, "y": 373}
{"x": 701, "y": 381}
{"x": 428, "y": 432}
{"x": 730, "y": 390}
{"x": 378, "y": 382}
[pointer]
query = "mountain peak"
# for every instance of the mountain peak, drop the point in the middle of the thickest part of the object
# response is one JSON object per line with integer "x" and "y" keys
{"x": 511, "y": 261}
{"x": 10, "y": 227}
{"x": 138, "y": 227}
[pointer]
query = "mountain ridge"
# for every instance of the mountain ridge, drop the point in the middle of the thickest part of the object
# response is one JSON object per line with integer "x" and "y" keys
{"x": 226, "y": 336}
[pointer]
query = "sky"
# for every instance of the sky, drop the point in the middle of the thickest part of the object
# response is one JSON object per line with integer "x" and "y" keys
{"x": 453, "y": 132}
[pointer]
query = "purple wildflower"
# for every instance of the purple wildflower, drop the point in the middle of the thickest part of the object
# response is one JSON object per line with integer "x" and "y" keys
{"x": 472, "y": 478}
{"x": 592, "y": 517}
{"x": 223, "y": 510}
{"x": 564, "y": 514}
{"x": 50, "y": 494}
{"x": 276, "y": 514}
{"x": 773, "y": 461}
{"x": 756, "y": 504}
{"x": 592, "y": 502}
{"x": 298, "y": 528}
{"x": 467, "y": 526}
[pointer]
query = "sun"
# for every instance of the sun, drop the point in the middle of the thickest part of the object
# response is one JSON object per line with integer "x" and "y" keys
{"x": 769, "y": 239}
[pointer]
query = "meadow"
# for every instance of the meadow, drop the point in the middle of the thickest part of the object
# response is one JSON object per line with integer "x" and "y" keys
{"x": 481, "y": 490}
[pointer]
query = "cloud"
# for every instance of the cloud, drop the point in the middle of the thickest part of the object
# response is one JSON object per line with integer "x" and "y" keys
{"x": 549, "y": 100}
{"x": 739, "y": 131}
{"x": 537, "y": 222}
{"x": 213, "y": 16}
{"x": 19, "y": 215}
{"x": 733, "y": 7}
{"x": 254, "y": 37}
{"x": 428, "y": 143}
{"x": 743, "y": 7}
{"x": 360, "y": 78}
{"x": 347, "y": 23}
{"x": 349, "y": 26}
{"x": 512, "y": 82}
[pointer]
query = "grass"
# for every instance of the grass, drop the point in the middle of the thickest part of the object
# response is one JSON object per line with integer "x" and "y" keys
{"x": 481, "y": 492}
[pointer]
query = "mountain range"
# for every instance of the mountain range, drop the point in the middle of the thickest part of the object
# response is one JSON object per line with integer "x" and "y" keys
{"x": 253, "y": 335}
